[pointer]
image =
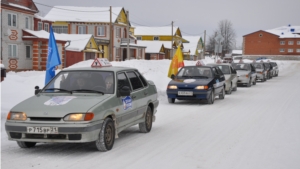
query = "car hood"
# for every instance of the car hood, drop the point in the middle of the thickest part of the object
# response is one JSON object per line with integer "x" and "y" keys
{"x": 58, "y": 105}
{"x": 242, "y": 72}
{"x": 192, "y": 82}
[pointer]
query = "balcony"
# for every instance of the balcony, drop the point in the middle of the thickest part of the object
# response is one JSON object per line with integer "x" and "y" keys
{"x": 125, "y": 40}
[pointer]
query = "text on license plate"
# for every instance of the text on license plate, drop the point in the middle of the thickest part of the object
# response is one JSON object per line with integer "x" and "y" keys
{"x": 42, "y": 129}
{"x": 185, "y": 93}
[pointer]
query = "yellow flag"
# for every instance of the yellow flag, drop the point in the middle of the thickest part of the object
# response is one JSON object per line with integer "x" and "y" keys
{"x": 176, "y": 62}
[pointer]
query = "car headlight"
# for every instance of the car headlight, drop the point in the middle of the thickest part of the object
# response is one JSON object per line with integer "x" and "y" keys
{"x": 245, "y": 76}
{"x": 21, "y": 116}
{"x": 79, "y": 117}
{"x": 172, "y": 87}
{"x": 201, "y": 87}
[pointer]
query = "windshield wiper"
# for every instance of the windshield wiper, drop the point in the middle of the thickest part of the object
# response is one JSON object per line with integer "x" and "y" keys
{"x": 64, "y": 90}
{"x": 87, "y": 90}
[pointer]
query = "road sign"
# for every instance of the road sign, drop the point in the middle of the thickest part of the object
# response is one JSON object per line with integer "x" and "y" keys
{"x": 219, "y": 38}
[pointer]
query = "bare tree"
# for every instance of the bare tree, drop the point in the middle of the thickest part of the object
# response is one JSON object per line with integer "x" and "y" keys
{"x": 210, "y": 45}
{"x": 227, "y": 31}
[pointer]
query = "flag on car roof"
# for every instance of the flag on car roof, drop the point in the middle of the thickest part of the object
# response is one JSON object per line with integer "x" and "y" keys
{"x": 53, "y": 59}
{"x": 176, "y": 62}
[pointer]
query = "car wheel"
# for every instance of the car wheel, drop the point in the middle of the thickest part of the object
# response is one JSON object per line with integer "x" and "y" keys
{"x": 171, "y": 100}
{"x": 222, "y": 94}
{"x": 254, "y": 83}
{"x": 211, "y": 98}
{"x": 249, "y": 83}
{"x": 23, "y": 144}
{"x": 230, "y": 89}
{"x": 145, "y": 127}
{"x": 106, "y": 137}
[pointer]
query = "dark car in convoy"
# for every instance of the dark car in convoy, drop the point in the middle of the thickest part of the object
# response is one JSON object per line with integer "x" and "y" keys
{"x": 275, "y": 69}
{"x": 197, "y": 83}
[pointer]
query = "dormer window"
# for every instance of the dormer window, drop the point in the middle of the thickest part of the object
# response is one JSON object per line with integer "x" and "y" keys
{"x": 155, "y": 38}
{"x": 139, "y": 38}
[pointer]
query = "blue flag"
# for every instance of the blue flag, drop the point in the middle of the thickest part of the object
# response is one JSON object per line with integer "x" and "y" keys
{"x": 53, "y": 57}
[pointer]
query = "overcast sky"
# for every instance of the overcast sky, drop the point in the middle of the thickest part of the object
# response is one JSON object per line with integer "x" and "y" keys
{"x": 195, "y": 16}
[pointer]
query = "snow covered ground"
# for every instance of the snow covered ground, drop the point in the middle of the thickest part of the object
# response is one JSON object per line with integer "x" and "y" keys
{"x": 253, "y": 128}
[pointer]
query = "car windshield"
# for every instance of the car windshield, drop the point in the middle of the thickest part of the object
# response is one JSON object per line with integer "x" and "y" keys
{"x": 82, "y": 81}
{"x": 225, "y": 69}
{"x": 273, "y": 63}
{"x": 258, "y": 65}
{"x": 267, "y": 65}
{"x": 195, "y": 72}
{"x": 241, "y": 66}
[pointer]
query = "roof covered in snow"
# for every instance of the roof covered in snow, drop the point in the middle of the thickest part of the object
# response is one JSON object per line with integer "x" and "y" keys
{"x": 77, "y": 41}
{"x": 152, "y": 46}
{"x": 237, "y": 52}
{"x": 144, "y": 30}
{"x": 285, "y": 31}
{"x": 82, "y": 14}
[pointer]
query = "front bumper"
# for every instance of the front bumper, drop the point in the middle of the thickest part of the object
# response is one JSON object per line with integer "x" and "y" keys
{"x": 259, "y": 76}
{"x": 197, "y": 94}
{"x": 67, "y": 132}
{"x": 243, "y": 79}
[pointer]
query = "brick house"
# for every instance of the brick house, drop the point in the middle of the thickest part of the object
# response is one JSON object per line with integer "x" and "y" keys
{"x": 280, "y": 41}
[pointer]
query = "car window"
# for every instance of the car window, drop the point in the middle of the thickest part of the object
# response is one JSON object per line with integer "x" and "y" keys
{"x": 232, "y": 70}
{"x": 145, "y": 83}
{"x": 122, "y": 81}
{"x": 134, "y": 80}
{"x": 241, "y": 66}
{"x": 219, "y": 71}
{"x": 225, "y": 69}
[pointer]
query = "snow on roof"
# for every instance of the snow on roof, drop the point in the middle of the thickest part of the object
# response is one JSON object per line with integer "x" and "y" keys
{"x": 20, "y": 6}
{"x": 192, "y": 46}
{"x": 152, "y": 46}
{"x": 237, "y": 52}
{"x": 133, "y": 45}
{"x": 144, "y": 30}
{"x": 82, "y": 14}
{"x": 285, "y": 31}
{"x": 78, "y": 41}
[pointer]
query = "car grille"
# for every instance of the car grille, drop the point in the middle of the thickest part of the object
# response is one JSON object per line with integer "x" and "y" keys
{"x": 44, "y": 119}
{"x": 46, "y": 136}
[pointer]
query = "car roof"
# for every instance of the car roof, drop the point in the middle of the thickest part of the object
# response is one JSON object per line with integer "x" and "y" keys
{"x": 104, "y": 68}
{"x": 201, "y": 66}
{"x": 217, "y": 64}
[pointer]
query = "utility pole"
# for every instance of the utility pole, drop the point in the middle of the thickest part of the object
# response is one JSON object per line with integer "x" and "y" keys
{"x": 111, "y": 35}
{"x": 128, "y": 39}
{"x": 204, "y": 45}
{"x": 171, "y": 53}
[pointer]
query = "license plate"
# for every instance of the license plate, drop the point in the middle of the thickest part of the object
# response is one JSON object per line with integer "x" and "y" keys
{"x": 42, "y": 129}
{"x": 185, "y": 93}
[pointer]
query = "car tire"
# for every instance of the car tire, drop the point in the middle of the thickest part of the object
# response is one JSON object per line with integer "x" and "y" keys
{"x": 145, "y": 127}
{"x": 106, "y": 139}
{"x": 23, "y": 144}
{"x": 222, "y": 94}
{"x": 171, "y": 100}
{"x": 211, "y": 98}
{"x": 230, "y": 90}
{"x": 254, "y": 83}
{"x": 249, "y": 83}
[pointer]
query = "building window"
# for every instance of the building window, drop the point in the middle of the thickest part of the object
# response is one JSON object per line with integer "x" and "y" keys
{"x": 155, "y": 38}
{"x": 139, "y": 38}
{"x": 290, "y": 50}
{"x": 291, "y": 42}
{"x": 40, "y": 26}
{"x": 101, "y": 31}
{"x": 260, "y": 35}
{"x": 27, "y": 23}
{"x": 46, "y": 27}
{"x": 81, "y": 29}
{"x": 12, "y": 50}
{"x": 281, "y": 50}
{"x": 60, "y": 29}
{"x": 298, "y": 50}
{"x": 12, "y": 20}
{"x": 298, "y": 42}
{"x": 28, "y": 52}
{"x": 118, "y": 32}
{"x": 282, "y": 42}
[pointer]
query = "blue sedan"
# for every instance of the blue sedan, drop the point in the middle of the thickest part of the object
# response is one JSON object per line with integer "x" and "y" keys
{"x": 197, "y": 83}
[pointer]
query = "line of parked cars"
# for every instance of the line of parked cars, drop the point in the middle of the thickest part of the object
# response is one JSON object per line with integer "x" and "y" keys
{"x": 206, "y": 81}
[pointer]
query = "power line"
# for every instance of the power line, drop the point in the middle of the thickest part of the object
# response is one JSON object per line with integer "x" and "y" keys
{"x": 192, "y": 34}
{"x": 67, "y": 9}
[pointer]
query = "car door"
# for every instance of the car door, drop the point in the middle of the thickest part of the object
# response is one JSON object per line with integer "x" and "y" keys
{"x": 253, "y": 72}
{"x": 127, "y": 105}
{"x": 139, "y": 93}
{"x": 219, "y": 80}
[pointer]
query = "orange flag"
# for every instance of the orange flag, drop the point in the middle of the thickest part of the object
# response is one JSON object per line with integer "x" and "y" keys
{"x": 176, "y": 62}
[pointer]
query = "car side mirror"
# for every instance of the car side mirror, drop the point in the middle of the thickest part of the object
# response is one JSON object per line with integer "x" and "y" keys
{"x": 173, "y": 76}
{"x": 124, "y": 91}
{"x": 37, "y": 90}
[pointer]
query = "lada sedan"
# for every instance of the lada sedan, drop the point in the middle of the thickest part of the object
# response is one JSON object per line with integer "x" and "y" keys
{"x": 230, "y": 76}
{"x": 88, "y": 104}
{"x": 261, "y": 71}
{"x": 275, "y": 69}
{"x": 197, "y": 83}
{"x": 246, "y": 73}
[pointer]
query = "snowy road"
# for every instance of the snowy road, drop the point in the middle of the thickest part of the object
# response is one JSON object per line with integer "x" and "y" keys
{"x": 253, "y": 128}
